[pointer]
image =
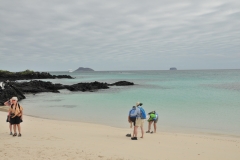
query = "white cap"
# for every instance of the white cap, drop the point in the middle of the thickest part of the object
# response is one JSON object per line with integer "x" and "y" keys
{"x": 15, "y": 98}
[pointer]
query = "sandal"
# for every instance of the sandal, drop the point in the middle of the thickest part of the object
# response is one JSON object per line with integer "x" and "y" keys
{"x": 128, "y": 135}
{"x": 15, "y": 134}
{"x": 148, "y": 132}
{"x": 152, "y": 132}
{"x": 19, "y": 135}
{"x": 134, "y": 138}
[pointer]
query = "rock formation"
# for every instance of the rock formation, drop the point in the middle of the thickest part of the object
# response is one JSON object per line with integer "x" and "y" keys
{"x": 36, "y": 86}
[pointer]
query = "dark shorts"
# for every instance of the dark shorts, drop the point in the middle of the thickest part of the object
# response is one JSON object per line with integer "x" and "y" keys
{"x": 15, "y": 120}
{"x": 133, "y": 119}
{"x": 155, "y": 121}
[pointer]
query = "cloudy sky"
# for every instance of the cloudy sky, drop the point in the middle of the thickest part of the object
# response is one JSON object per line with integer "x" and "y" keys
{"x": 57, "y": 35}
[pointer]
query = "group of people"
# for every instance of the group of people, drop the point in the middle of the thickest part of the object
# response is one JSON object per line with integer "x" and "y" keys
{"x": 15, "y": 116}
{"x": 137, "y": 117}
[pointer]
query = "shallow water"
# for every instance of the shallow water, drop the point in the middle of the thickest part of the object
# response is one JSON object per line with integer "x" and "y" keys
{"x": 202, "y": 101}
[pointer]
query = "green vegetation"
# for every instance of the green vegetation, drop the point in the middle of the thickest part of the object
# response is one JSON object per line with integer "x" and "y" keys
{"x": 4, "y": 72}
{"x": 26, "y": 72}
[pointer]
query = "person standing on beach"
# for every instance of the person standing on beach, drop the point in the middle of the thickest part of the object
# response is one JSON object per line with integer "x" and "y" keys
{"x": 153, "y": 117}
{"x": 9, "y": 103}
{"x": 16, "y": 113}
{"x": 140, "y": 116}
{"x": 132, "y": 119}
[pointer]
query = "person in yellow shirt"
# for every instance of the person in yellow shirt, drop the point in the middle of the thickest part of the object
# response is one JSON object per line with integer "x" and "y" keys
{"x": 16, "y": 113}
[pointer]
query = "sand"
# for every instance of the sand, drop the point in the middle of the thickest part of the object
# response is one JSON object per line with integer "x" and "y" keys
{"x": 4, "y": 108}
{"x": 63, "y": 140}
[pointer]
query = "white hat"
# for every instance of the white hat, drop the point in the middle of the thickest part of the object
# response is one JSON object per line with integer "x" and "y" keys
{"x": 138, "y": 103}
{"x": 15, "y": 98}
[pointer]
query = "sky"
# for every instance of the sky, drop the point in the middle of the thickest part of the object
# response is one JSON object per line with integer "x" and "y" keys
{"x": 58, "y": 35}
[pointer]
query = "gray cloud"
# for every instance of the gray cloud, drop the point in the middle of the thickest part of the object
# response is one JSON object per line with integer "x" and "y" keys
{"x": 119, "y": 35}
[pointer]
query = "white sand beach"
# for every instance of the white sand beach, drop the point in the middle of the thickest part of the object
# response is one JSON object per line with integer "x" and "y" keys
{"x": 63, "y": 140}
{"x": 4, "y": 108}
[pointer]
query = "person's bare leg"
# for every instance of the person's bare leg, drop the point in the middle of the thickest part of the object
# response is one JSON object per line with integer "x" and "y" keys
{"x": 149, "y": 125}
{"x": 155, "y": 127}
{"x": 142, "y": 131}
{"x": 19, "y": 128}
{"x": 14, "y": 128}
{"x": 10, "y": 127}
{"x": 135, "y": 131}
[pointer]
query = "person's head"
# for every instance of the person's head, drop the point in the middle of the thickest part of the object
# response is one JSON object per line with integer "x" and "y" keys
{"x": 134, "y": 107}
{"x": 153, "y": 112}
{"x": 140, "y": 104}
{"x": 14, "y": 100}
{"x": 137, "y": 104}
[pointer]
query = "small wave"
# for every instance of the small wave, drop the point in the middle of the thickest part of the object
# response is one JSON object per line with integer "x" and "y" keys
{"x": 65, "y": 106}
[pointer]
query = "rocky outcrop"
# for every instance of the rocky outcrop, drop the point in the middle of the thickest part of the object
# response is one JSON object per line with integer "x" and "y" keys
{"x": 93, "y": 86}
{"x": 121, "y": 83}
{"x": 18, "y": 89}
{"x": 9, "y": 92}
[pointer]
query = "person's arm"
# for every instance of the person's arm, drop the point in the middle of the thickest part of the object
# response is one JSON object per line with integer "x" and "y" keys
{"x": 21, "y": 114}
{"x": 7, "y": 103}
{"x": 9, "y": 113}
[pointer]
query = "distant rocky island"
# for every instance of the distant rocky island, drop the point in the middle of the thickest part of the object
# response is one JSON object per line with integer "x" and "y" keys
{"x": 173, "y": 68}
{"x": 80, "y": 69}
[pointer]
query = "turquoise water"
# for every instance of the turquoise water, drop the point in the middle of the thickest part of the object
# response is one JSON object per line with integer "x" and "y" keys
{"x": 202, "y": 101}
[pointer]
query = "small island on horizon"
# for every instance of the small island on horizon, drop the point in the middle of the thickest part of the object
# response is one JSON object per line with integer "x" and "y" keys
{"x": 173, "y": 69}
{"x": 80, "y": 69}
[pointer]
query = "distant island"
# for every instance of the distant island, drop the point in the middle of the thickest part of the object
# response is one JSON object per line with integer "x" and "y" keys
{"x": 80, "y": 69}
{"x": 173, "y": 68}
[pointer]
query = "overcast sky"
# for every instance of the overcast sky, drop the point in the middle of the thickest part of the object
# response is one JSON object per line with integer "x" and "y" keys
{"x": 57, "y": 35}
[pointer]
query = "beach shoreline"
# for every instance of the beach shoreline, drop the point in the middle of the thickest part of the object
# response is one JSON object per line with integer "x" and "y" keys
{"x": 165, "y": 130}
{"x": 54, "y": 139}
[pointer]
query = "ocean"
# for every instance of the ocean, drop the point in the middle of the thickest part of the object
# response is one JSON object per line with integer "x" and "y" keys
{"x": 204, "y": 101}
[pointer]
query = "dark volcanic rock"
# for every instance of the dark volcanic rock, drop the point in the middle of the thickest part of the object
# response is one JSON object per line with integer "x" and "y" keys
{"x": 18, "y": 89}
{"x": 87, "y": 86}
{"x": 9, "y": 92}
{"x": 37, "y": 86}
{"x": 121, "y": 83}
